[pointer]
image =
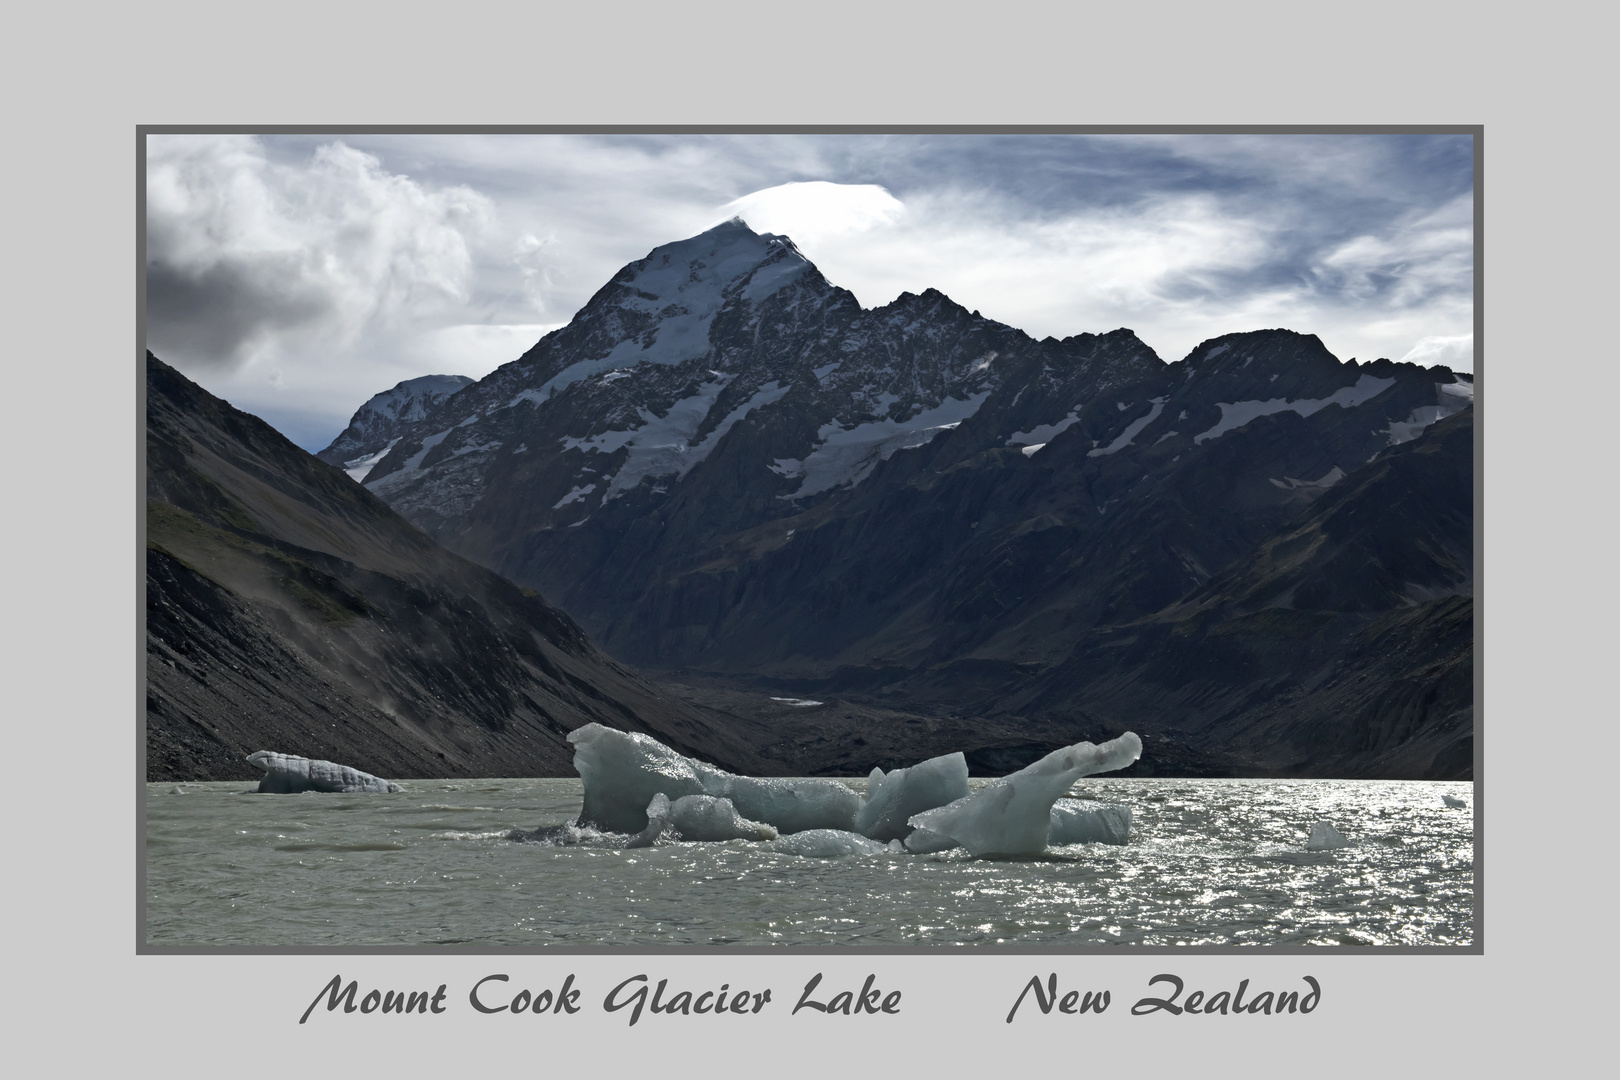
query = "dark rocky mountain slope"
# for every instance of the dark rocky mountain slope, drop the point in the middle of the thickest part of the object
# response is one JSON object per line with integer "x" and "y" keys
{"x": 725, "y": 467}
{"x": 288, "y": 608}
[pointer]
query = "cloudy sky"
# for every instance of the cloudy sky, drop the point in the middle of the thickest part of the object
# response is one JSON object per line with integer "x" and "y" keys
{"x": 298, "y": 275}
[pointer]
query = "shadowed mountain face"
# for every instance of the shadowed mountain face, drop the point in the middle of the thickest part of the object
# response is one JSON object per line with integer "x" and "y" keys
{"x": 289, "y": 609}
{"x": 723, "y": 466}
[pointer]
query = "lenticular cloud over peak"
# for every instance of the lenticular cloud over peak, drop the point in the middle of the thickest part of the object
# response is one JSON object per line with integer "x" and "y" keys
{"x": 813, "y": 209}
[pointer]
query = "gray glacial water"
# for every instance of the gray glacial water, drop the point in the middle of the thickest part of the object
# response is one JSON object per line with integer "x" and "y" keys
{"x": 1210, "y": 862}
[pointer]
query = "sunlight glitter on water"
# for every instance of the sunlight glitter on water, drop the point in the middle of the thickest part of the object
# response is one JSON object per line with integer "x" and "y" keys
{"x": 1210, "y": 862}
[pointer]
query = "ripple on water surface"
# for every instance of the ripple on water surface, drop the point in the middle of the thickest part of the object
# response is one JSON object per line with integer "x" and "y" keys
{"x": 1210, "y": 862}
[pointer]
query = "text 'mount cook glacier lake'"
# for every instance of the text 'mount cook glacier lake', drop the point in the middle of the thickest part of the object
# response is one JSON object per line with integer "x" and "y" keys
{"x": 1208, "y": 863}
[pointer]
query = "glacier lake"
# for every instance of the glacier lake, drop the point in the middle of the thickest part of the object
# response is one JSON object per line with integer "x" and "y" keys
{"x": 1209, "y": 863}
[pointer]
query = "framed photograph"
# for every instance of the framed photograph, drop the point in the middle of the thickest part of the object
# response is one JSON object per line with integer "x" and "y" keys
{"x": 893, "y": 542}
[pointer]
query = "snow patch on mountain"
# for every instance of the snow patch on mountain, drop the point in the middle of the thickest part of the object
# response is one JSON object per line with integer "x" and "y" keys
{"x": 1453, "y": 397}
{"x": 848, "y": 455}
{"x": 410, "y": 470}
{"x": 662, "y": 445}
{"x": 683, "y": 286}
{"x": 1236, "y": 414}
{"x": 1325, "y": 481}
{"x": 361, "y": 466}
{"x": 1123, "y": 439}
{"x": 411, "y": 399}
{"x": 573, "y": 496}
{"x": 1043, "y": 433}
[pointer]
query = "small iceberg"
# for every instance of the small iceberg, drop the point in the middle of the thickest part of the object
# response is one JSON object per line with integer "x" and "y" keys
{"x": 287, "y": 774}
{"x": 1013, "y": 816}
{"x": 1454, "y": 803}
{"x": 1324, "y": 837}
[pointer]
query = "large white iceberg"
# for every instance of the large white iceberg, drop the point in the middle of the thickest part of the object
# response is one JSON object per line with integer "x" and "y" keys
{"x": 704, "y": 817}
{"x": 1013, "y": 816}
{"x": 287, "y": 774}
{"x": 894, "y": 798}
{"x": 622, "y": 771}
{"x": 1077, "y": 822}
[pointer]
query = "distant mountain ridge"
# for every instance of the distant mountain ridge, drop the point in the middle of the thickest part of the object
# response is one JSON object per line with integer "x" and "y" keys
{"x": 377, "y": 424}
{"x": 725, "y": 465}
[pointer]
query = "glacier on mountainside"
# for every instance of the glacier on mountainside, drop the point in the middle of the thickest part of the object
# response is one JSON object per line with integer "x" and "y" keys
{"x": 685, "y": 284}
{"x": 1236, "y": 414}
{"x": 1124, "y": 438}
{"x": 1013, "y": 815}
{"x": 288, "y": 774}
{"x": 848, "y": 455}
{"x": 893, "y": 798}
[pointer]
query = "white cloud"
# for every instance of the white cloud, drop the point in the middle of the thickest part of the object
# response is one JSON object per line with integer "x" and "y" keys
{"x": 247, "y": 258}
{"x": 815, "y": 210}
{"x": 1455, "y": 352}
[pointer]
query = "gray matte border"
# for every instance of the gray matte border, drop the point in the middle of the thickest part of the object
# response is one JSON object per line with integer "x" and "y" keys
{"x": 1477, "y": 131}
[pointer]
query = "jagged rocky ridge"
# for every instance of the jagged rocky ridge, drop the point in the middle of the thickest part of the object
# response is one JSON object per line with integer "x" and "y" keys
{"x": 377, "y": 425}
{"x": 724, "y": 465}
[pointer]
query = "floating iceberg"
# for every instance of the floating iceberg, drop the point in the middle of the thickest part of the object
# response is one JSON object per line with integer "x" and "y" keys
{"x": 828, "y": 844}
{"x": 893, "y": 799}
{"x": 1454, "y": 803}
{"x": 622, "y": 771}
{"x": 704, "y": 817}
{"x": 1076, "y": 822}
{"x": 1324, "y": 837}
{"x": 1013, "y": 816}
{"x": 285, "y": 774}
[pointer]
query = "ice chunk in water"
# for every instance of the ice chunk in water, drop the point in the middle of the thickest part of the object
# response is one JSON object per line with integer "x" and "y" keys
{"x": 892, "y": 799}
{"x": 657, "y": 822}
{"x": 792, "y": 805}
{"x": 286, "y": 774}
{"x": 925, "y": 842}
{"x": 704, "y": 817}
{"x": 828, "y": 844}
{"x": 1324, "y": 837}
{"x": 1454, "y": 803}
{"x": 1014, "y": 815}
{"x": 622, "y": 771}
{"x": 1076, "y": 822}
